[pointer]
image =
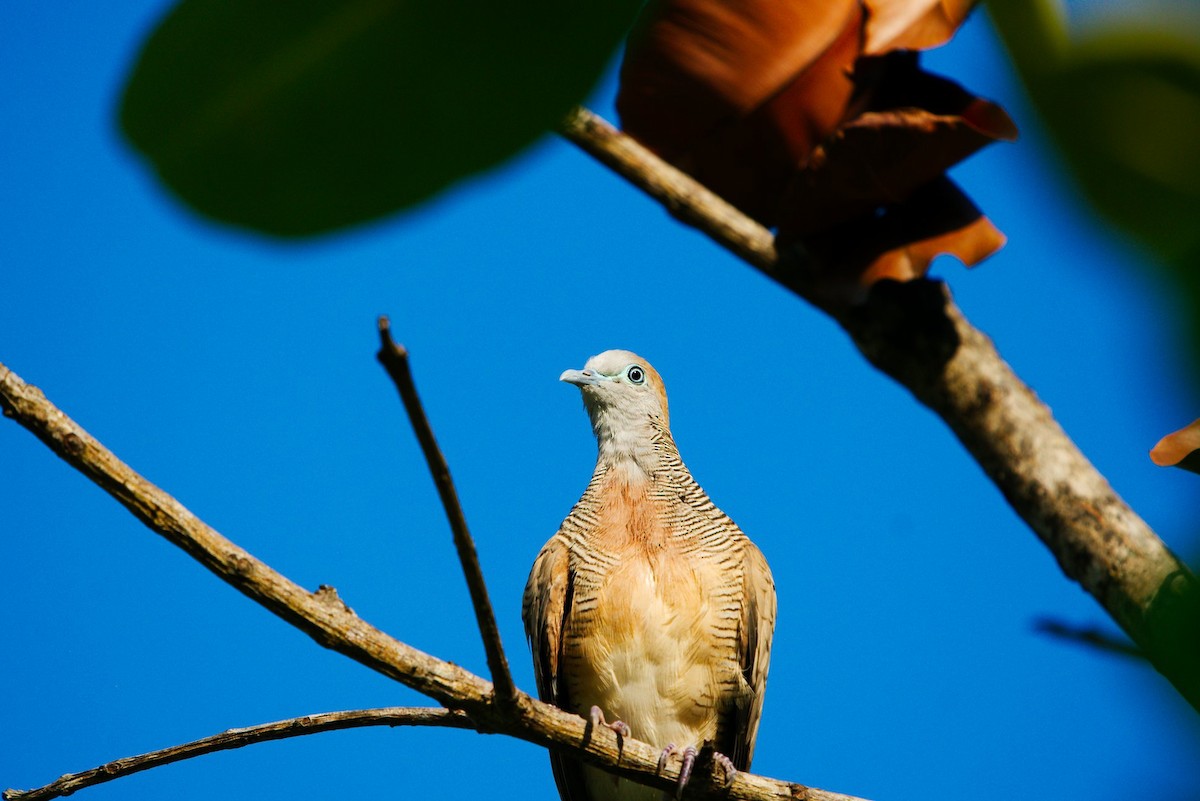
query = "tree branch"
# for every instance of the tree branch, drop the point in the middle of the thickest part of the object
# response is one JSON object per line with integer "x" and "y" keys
{"x": 394, "y": 359}
{"x": 914, "y": 333}
{"x": 1088, "y": 636}
{"x": 331, "y": 623}
{"x": 688, "y": 200}
{"x": 237, "y": 738}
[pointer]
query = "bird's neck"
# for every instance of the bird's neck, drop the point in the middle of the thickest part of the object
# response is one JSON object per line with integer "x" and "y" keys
{"x": 638, "y": 446}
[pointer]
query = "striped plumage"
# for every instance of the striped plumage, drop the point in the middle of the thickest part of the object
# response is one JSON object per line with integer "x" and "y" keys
{"x": 649, "y": 602}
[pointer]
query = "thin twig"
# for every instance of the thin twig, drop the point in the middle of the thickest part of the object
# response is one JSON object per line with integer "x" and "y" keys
{"x": 394, "y": 358}
{"x": 332, "y": 624}
{"x": 237, "y": 738}
{"x": 1089, "y": 637}
{"x": 915, "y": 333}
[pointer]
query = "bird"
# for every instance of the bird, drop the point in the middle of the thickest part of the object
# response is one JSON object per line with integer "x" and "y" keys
{"x": 649, "y": 605}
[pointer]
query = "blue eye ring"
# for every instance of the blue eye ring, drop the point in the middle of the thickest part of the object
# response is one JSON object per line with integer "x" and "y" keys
{"x": 635, "y": 374}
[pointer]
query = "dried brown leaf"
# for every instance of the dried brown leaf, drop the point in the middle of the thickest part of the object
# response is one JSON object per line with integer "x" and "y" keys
{"x": 749, "y": 158}
{"x": 900, "y": 240}
{"x": 970, "y": 244}
{"x": 1179, "y": 449}
{"x": 878, "y": 158}
{"x": 912, "y": 24}
{"x": 695, "y": 66}
{"x": 787, "y": 111}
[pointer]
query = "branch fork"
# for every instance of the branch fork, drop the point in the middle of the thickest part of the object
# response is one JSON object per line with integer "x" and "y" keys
{"x": 469, "y": 701}
{"x": 913, "y": 332}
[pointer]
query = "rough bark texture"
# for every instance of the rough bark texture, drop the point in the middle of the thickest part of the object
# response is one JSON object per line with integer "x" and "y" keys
{"x": 323, "y": 616}
{"x": 914, "y": 333}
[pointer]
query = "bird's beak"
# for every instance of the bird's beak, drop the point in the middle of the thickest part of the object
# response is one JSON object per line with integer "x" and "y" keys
{"x": 582, "y": 378}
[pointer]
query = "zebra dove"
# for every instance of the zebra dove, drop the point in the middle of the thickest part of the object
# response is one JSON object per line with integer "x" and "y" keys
{"x": 649, "y": 605}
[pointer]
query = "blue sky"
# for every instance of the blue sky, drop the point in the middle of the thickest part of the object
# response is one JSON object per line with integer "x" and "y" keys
{"x": 238, "y": 374}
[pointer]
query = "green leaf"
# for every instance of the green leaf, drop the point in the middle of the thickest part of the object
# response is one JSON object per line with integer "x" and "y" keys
{"x": 1123, "y": 105}
{"x": 1126, "y": 109}
{"x": 295, "y": 118}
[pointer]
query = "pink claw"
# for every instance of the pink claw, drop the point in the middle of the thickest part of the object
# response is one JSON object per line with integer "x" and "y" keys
{"x": 662, "y": 758}
{"x": 619, "y": 726}
{"x": 689, "y": 762}
{"x": 726, "y": 763}
{"x": 685, "y": 770}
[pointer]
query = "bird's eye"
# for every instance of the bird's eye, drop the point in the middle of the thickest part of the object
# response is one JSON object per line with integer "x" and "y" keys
{"x": 635, "y": 374}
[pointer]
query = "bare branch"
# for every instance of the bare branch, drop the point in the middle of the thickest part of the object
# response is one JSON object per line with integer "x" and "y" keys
{"x": 914, "y": 333}
{"x": 319, "y": 614}
{"x": 332, "y": 624}
{"x": 394, "y": 359}
{"x": 683, "y": 196}
{"x": 1088, "y": 636}
{"x": 237, "y": 738}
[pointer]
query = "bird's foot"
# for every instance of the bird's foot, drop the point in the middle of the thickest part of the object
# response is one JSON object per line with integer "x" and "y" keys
{"x": 688, "y": 758}
{"x": 666, "y": 752}
{"x": 596, "y": 718}
{"x": 727, "y": 765}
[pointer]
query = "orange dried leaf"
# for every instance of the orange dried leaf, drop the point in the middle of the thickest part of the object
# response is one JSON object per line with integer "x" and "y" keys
{"x": 970, "y": 244}
{"x": 878, "y": 158}
{"x": 1179, "y": 449}
{"x": 912, "y": 24}
{"x": 694, "y": 65}
{"x": 900, "y": 240}
{"x": 789, "y": 112}
{"x": 750, "y": 159}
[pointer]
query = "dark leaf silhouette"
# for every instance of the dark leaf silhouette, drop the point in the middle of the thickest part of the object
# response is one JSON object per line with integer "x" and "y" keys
{"x": 295, "y": 119}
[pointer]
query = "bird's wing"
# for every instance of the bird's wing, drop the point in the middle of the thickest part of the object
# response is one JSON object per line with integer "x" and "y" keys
{"x": 754, "y": 651}
{"x": 544, "y": 608}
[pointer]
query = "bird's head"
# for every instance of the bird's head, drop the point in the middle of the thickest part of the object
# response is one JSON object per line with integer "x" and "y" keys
{"x": 625, "y": 398}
